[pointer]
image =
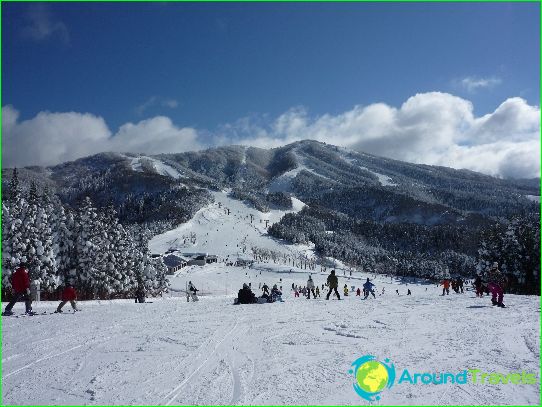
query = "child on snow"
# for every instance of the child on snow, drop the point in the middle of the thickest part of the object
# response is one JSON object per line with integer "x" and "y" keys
{"x": 446, "y": 287}
{"x": 68, "y": 294}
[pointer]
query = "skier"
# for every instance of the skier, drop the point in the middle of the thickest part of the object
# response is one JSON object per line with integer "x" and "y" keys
{"x": 368, "y": 287}
{"x": 140, "y": 293}
{"x": 358, "y": 292}
{"x": 496, "y": 282}
{"x": 20, "y": 281}
{"x": 345, "y": 290}
{"x": 333, "y": 283}
{"x": 192, "y": 292}
{"x": 409, "y": 292}
{"x": 69, "y": 294}
{"x": 446, "y": 286}
{"x": 310, "y": 287}
{"x": 317, "y": 291}
{"x": 296, "y": 293}
{"x": 460, "y": 284}
{"x": 478, "y": 286}
{"x": 397, "y": 291}
{"x": 246, "y": 296}
{"x": 265, "y": 289}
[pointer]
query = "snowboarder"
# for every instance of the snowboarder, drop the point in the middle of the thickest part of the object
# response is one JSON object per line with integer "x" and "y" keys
{"x": 192, "y": 292}
{"x": 446, "y": 286}
{"x": 496, "y": 282}
{"x": 69, "y": 294}
{"x": 333, "y": 283}
{"x": 368, "y": 288}
{"x": 246, "y": 296}
{"x": 310, "y": 287}
{"x": 20, "y": 282}
{"x": 478, "y": 286}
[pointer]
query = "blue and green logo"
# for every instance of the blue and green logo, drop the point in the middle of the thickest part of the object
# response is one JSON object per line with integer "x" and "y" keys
{"x": 372, "y": 376}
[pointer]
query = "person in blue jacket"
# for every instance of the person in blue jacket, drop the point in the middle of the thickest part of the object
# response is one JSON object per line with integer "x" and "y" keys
{"x": 368, "y": 288}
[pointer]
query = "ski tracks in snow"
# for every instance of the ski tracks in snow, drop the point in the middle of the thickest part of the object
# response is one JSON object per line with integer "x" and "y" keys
{"x": 202, "y": 361}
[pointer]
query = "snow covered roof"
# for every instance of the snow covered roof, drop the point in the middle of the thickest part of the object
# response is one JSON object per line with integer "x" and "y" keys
{"x": 173, "y": 260}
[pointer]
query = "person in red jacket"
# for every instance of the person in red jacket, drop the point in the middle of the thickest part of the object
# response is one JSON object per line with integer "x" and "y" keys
{"x": 20, "y": 282}
{"x": 68, "y": 294}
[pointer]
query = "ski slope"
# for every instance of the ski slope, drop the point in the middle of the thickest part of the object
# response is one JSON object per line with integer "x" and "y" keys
{"x": 227, "y": 235}
{"x": 171, "y": 352}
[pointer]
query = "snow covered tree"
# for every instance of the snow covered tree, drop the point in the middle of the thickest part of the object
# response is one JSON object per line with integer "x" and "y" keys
{"x": 87, "y": 239}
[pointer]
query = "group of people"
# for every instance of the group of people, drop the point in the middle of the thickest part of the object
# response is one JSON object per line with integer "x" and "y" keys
{"x": 20, "y": 283}
{"x": 492, "y": 281}
{"x": 246, "y": 296}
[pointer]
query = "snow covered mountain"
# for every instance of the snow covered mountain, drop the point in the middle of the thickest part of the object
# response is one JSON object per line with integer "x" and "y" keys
{"x": 365, "y": 210}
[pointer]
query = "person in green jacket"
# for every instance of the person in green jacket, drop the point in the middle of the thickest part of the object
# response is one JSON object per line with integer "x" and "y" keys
{"x": 333, "y": 283}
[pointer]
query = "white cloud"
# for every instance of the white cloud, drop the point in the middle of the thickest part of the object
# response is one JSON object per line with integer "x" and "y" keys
{"x": 156, "y": 101}
{"x": 43, "y": 25}
{"x": 472, "y": 83}
{"x": 430, "y": 128}
{"x": 52, "y": 138}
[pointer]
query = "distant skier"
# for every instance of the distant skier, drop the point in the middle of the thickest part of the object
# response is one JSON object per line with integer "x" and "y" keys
{"x": 368, "y": 288}
{"x": 20, "y": 282}
{"x": 69, "y": 294}
{"x": 317, "y": 291}
{"x": 409, "y": 292}
{"x": 345, "y": 290}
{"x": 310, "y": 287}
{"x": 446, "y": 286}
{"x": 139, "y": 294}
{"x": 397, "y": 291}
{"x": 333, "y": 283}
{"x": 296, "y": 293}
{"x": 496, "y": 282}
{"x": 460, "y": 284}
{"x": 478, "y": 286}
{"x": 265, "y": 289}
{"x": 192, "y": 292}
{"x": 358, "y": 292}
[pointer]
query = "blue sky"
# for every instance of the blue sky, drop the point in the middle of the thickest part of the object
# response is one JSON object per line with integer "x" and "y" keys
{"x": 227, "y": 70}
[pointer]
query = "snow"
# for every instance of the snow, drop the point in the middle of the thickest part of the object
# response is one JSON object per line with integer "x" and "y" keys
{"x": 226, "y": 235}
{"x": 160, "y": 167}
{"x": 283, "y": 182}
{"x": 171, "y": 352}
{"x": 383, "y": 179}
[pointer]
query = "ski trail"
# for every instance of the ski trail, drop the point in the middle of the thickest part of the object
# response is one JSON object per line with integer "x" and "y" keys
{"x": 176, "y": 391}
{"x": 236, "y": 391}
{"x": 40, "y": 360}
